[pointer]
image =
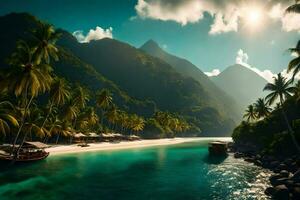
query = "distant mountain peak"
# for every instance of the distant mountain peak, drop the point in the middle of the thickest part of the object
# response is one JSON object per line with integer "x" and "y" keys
{"x": 150, "y": 44}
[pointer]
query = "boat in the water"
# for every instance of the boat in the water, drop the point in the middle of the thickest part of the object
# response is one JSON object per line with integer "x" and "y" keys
{"x": 218, "y": 148}
{"x": 29, "y": 152}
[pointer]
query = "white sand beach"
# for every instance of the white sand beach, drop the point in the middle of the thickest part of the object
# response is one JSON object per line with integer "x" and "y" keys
{"x": 65, "y": 149}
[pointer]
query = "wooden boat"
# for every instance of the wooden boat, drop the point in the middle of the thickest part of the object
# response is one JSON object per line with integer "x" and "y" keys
{"x": 29, "y": 152}
{"x": 218, "y": 148}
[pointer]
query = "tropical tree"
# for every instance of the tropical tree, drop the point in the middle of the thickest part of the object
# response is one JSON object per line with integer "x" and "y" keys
{"x": 294, "y": 65}
{"x": 59, "y": 94}
{"x": 80, "y": 98}
{"x": 27, "y": 78}
{"x": 112, "y": 114}
{"x": 136, "y": 123}
{"x": 103, "y": 101}
{"x": 44, "y": 39}
{"x": 281, "y": 89}
{"x": 294, "y": 8}
{"x": 250, "y": 113}
{"x": 297, "y": 91}
{"x": 262, "y": 109}
{"x": 7, "y": 117}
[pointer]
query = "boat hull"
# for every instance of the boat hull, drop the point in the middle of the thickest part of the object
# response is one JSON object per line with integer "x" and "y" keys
{"x": 24, "y": 159}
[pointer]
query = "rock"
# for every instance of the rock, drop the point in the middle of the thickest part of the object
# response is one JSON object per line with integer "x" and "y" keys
{"x": 258, "y": 162}
{"x": 282, "y": 166}
{"x": 296, "y": 175}
{"x": 274, "y": 164}
{"x": 296, "y": 192}
{"x": 249, "y": 159}
{"x": 274, "y": 178}
{"x": 284, "y": 173}
{"x": 270, "y": 191}
{"x": 238, "y": 155}
{"x": 281, "y": 192}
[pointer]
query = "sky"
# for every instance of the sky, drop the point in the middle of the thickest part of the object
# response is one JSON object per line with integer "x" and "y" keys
{"x": 212, "y": 34}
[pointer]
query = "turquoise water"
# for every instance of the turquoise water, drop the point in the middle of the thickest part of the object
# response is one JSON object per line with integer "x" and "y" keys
{"x": 181, "y": 171}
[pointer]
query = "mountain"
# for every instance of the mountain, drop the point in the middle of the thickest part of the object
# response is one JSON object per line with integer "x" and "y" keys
{"x": 243, "y": 84}
{"x": 140, "y": 82}
{"x": 69, "y": 66}
{"x": 217, "y": 97}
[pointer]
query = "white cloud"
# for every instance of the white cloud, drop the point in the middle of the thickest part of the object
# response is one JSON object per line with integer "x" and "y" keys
{"x": 242, "y": 59}
{"x": 227, "y": 14}
{"x": 168, "y": 10}
{"x": 289, "y": 21}
{"x": 214, "y": 72}
{"x": 94, "y": 34}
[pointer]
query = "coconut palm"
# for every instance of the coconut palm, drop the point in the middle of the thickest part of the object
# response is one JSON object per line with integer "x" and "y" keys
{"x": 103, "y": 101}
{"x": 297, "y": 91}
{"x": 294, "y": 65}
{"x": 59, "y": 94}
{"x": 250, "y": 113}
{"x": 27, "y": 78}
{"x": 44, "y": 39}
{"x": 138, "y": 123}
{"x": 6, "y": 117}
{"x": 294, "y": 8}
{"x": 281, "y": 89}
{"x": 81, "y": 97}
{"x": 112, "y": 114}
{"x": 262, "y": 109}
{"x": 91, "y": 116}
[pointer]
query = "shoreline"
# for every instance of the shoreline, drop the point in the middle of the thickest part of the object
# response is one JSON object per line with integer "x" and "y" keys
{"x": 106, "y": 146}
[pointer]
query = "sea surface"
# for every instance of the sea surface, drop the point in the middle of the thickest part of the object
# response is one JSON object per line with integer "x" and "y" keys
{"x": 183, "y": 171}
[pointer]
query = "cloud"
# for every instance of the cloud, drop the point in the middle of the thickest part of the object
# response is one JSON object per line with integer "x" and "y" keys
{"x": 289, "y": 21}
{"x": 227, "y": 14}
{"x": 242, "y": 59}
{"x": 214, "y": 72}
{"x": 94, "y": 34}
{"x": 175, "y": 10}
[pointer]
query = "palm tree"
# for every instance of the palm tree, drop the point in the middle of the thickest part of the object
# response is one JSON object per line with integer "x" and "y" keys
{"x": 294, "y": 65}
{"x": 294, "y": 8}
{"x": 27, "y": 78}
{"x": 81, "y": 97}
{"x": 104, "y": 100}
{"x": 59, "y": 94}
{"x": 281, "y": 90}
{"x": 6, "y": 117}
{"x": 261, "y": 108}
{"x": 112, "y": 114}
{"x": 250, "y": 113}
{"x": 297, "y": 91}
{"x": 138, "y": 123}
{"x": 44, "y": 39}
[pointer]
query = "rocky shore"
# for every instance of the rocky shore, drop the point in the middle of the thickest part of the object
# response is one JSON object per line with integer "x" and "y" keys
{"x": 285, "y": 180}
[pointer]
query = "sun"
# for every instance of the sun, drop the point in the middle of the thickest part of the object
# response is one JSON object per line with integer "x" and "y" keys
{"x": 253, "y": 17}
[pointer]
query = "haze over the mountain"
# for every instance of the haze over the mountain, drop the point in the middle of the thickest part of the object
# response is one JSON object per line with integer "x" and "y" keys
{"x": 243, "y": 84}
{"x": 186, "y": 68}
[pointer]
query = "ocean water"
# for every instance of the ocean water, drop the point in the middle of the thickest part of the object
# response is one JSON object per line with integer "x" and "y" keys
{"x": 183, "y": 172}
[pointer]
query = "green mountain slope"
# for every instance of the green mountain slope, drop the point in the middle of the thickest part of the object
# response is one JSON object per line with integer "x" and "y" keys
{"x": 129, "y": 72}
{"x": 146, "y": 77}
{"x": 69, "y": 66}
{"x": 216, "y": 96}
{"x": 244, "y": 85}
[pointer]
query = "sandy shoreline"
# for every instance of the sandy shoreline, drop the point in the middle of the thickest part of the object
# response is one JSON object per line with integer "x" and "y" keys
{"x": 66, "y": 149}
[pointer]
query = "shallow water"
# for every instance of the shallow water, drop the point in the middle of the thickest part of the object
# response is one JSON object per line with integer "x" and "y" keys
{"x": 182, "y": 171}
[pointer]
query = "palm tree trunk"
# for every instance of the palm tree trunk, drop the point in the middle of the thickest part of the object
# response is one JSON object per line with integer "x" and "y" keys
{"x": 48, "y": 114}
{"x": 57, "y": 138}
{"x": 290, "y": 130}
{"x": 22, "y": 124}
